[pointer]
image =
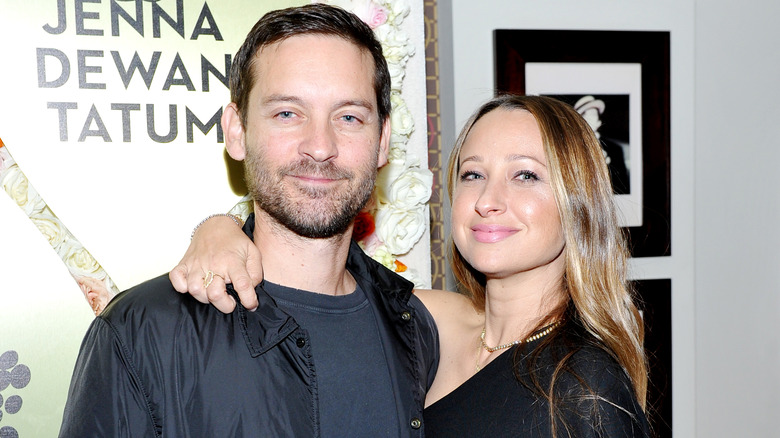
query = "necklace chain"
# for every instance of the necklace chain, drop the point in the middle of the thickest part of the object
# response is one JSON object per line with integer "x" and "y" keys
{"x": 540, "y": 334}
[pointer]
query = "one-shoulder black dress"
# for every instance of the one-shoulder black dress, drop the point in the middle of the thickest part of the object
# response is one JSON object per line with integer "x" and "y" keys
{"x": 596, "y": 399}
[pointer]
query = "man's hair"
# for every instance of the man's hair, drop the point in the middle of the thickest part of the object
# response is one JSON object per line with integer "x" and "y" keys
{"x": 313, "y": 19}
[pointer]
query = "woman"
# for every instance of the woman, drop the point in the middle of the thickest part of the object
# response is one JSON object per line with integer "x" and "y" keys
{"x": 547, "y": 340}
{"x": 555, "y": 347}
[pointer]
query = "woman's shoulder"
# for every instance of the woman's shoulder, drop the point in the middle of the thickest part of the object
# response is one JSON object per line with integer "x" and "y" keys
{"x": 580, "y": 360}
{"x": 595, "y": 391}
{"x": 450, "y": 308}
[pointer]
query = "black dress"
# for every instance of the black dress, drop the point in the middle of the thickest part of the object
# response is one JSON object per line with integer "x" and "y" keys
{"x": 596, "y": 399}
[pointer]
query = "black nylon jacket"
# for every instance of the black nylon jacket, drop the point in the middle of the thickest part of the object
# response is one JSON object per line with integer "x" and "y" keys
{"x": 157, "y": 363}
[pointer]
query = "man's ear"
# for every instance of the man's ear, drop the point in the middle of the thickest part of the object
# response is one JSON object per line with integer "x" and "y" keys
{"x": 384, "y": 143}
{"x": 233, "y": 130}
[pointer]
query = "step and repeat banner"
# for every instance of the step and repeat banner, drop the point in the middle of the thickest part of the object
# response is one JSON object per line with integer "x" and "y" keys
{"x": 112, "y": 151}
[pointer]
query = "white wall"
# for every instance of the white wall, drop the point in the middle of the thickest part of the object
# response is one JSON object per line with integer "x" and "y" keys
{"x": 725, "y": 200}
{"x": 737, "y": 200}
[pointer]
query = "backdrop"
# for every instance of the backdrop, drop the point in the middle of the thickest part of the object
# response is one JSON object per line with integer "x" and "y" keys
{"x": 109, "y": 116}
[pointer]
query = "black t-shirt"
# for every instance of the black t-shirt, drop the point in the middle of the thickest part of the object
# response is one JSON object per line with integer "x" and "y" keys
{"x": 356, "y": 396}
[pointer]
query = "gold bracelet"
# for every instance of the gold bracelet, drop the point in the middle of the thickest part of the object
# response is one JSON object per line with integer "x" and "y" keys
{"x": 235, "y": 218}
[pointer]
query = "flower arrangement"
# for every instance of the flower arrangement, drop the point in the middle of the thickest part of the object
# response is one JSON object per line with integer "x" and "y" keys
{"x": 97, "y": 286}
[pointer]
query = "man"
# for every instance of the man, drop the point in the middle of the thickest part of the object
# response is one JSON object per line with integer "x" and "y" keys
{"x": 337, "y": 346}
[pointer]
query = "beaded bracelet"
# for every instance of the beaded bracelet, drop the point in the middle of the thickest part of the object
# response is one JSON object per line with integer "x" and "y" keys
{"x": 235, "y": 218}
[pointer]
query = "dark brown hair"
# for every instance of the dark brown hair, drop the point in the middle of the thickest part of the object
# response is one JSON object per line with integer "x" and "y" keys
{"x": 313, "y": 19}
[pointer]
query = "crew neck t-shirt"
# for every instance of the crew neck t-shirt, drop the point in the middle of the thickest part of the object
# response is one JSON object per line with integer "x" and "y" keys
{"x": 354, "y": 387}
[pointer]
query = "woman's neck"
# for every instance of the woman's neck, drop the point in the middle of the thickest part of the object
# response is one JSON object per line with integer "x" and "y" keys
{"x": 515, "y": 306}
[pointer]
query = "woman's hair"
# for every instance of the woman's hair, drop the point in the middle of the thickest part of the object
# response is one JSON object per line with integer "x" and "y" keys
{"x": 597, "y": 293}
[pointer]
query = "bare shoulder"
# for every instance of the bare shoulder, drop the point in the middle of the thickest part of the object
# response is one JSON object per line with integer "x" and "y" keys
{"x": 459, "y": 324}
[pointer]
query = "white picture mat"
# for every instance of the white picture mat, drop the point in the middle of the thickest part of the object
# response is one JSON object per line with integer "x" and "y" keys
{"x": 546, "y": 78}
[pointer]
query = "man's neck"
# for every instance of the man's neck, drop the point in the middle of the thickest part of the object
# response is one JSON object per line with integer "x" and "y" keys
{"x": 314, "y": 265}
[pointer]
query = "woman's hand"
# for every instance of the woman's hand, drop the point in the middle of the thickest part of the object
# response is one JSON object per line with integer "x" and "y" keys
{"x": 222, "y": 248}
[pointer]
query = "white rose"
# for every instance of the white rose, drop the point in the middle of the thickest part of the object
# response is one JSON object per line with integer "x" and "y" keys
{"x": 400, "y": 118}
{"x": 397, "y": 10}
{"x": 395, "y": 41}
{"x": 18, "y": 188}
{"x": 400, "y": 229}
{"x": 78, "y": 260}
{"x": 412, "y": 188}
{"x": 395, "y": 167}
{"x": 397, "y": 74}
{"x": 51, "y": 227}
{"x": 397, "y": 152}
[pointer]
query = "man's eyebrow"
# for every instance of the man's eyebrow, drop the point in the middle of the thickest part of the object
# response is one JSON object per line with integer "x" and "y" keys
{"x": 281, "y": 98}
{"x": 359, "y": 102}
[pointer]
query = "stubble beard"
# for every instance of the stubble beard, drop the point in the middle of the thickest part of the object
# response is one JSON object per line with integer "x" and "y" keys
{"x": 308, "y": 211}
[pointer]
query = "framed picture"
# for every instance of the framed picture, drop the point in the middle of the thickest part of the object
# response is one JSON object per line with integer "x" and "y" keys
{"x": 655, "y": 298}
{"x": 619, "y": 82}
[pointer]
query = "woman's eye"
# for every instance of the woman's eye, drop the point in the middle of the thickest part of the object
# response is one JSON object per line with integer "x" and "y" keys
{"x": 526, "y": 175}
{"x": 470, "y": 176}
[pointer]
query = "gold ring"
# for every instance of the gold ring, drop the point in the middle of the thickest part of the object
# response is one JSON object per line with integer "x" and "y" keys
{"x": 208, "y": 279}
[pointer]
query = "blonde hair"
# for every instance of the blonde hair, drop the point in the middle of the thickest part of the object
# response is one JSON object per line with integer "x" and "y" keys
{"x": 596, "y": 250}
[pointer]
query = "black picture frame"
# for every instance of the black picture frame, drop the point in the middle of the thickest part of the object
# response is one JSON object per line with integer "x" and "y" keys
{"x": 516, "y": 47}
{"x": 655, "y": 301}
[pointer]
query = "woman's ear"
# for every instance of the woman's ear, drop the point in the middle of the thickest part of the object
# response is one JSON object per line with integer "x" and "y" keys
{"x": 233, "y": 130}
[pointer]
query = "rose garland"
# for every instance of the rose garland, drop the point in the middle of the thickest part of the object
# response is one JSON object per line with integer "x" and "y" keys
{"x": 93, "y": 280}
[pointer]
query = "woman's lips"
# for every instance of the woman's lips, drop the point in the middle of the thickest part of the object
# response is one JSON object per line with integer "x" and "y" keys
{"x": 491, "y": 233}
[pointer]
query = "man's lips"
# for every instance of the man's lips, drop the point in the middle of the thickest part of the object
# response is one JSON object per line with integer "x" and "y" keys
{"x": 316, "y": 179}
{"x": 491, "y": 233}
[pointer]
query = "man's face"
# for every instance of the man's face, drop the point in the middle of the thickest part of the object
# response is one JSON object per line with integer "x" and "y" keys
{"x": 312, "y": 135}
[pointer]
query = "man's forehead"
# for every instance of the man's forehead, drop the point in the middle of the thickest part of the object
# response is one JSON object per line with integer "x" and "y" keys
{"x": 298, "y": 64}
{"x": 312, "y": 39}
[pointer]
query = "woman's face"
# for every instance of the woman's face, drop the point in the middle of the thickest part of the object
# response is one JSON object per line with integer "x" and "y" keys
{"x": 504, "y": 218}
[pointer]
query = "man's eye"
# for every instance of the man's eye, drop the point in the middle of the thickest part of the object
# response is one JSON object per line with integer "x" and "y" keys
{"x": 285, "y": 114}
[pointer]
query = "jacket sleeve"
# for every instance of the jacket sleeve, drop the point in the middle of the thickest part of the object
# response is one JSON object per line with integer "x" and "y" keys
{"x": 429, "y": 337}
{"x": 106, "y": 397}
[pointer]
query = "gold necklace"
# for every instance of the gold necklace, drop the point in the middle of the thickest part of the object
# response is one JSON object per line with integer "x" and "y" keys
{"x": 540, "y": 334}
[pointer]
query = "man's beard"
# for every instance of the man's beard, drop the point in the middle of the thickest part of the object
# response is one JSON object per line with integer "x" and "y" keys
{"x": 325, "y": 211}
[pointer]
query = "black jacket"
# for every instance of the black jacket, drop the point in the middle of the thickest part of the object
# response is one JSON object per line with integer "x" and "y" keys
{"x": 159, "y": 363}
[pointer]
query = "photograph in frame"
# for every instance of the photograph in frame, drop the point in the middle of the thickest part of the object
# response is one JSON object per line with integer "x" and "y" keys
{"x": 609, "y": 67}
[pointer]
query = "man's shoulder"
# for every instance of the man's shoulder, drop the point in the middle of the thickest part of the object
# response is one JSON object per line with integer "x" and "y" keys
{"x": 153, "y": 300}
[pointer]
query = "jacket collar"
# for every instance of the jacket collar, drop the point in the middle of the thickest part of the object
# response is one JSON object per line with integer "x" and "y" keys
{"x": 268, "y": 324}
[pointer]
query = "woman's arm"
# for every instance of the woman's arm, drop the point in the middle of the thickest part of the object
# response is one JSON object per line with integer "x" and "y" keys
{"x": 219, "y": 246}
